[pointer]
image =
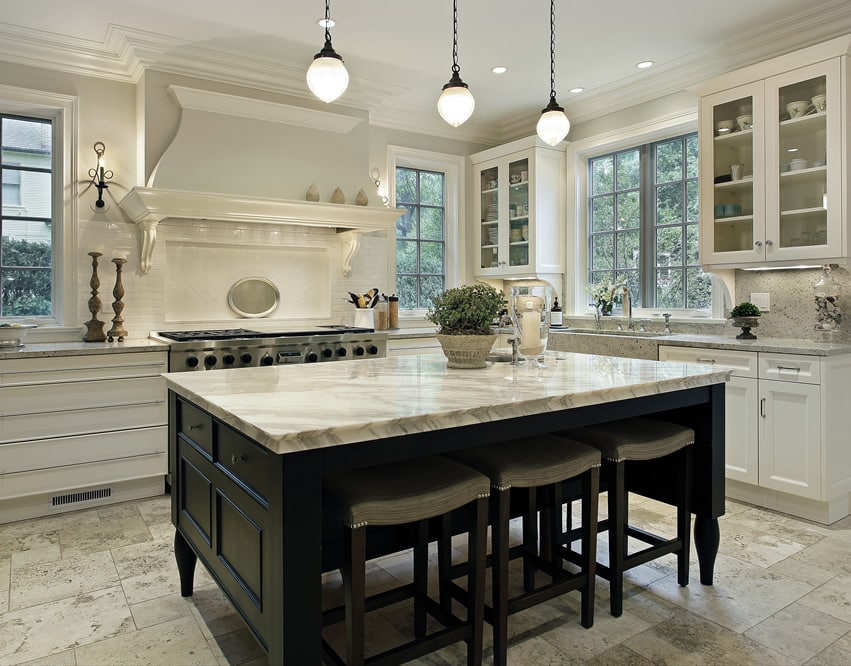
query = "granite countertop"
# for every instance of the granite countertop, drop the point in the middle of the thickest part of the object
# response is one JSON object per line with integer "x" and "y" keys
{"x": 80, "y": 348}
{"x": 762, "y": 344}
{"x": 286, "y": 408}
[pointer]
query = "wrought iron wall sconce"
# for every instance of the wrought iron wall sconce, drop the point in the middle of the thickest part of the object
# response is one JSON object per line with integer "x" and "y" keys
{"x": 100, "y": 175}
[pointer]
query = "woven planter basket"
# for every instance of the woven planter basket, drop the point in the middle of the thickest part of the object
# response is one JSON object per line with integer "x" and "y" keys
{"x": 466, "y": 351}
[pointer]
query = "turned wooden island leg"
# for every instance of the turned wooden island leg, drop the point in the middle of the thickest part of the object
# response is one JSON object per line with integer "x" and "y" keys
{"x": 186, "y": 559}
{"x": 707, "y": 536}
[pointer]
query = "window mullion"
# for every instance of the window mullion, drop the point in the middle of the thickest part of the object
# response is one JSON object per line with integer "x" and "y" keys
{"x": 647, "y": 265}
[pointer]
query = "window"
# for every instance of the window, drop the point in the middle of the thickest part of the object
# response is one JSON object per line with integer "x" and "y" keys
{"x": 26, "y": 223}
{"x": 429, "y": 248}
{"x": 642, "y": 213}
{"x": 420, "y": 234}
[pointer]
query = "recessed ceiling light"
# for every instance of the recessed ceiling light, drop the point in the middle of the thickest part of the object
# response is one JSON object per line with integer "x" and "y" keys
{"x": 499, "y": 69}
{"x": 644, "y": 64}
{"x": 323, "y": 23}
{"x": 576, "y": 90}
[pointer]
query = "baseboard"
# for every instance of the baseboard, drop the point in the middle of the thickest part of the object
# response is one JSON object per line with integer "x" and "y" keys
{"x": 74, "y": 499}
{"x": 820, "y": 512}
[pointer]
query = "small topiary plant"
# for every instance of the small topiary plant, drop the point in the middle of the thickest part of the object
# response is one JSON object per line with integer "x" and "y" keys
{"x": 467, "y": 310}
{"x": 745, "y": 310}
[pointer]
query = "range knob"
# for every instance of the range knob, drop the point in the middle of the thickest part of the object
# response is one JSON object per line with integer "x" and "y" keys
{"x": 341, "y": 351}
{"x": 192, "y": 362}
{"x": 228, "y": 359}
{"x": 372, "y": 350}
{"x": 210, "y": 361}
{"x": 311, "y": 357}
{"x": 327, "y": 353}
{"x": 245, "y": 358}
{"x": 266, "y": 360}
{"x": 359, "y": 350}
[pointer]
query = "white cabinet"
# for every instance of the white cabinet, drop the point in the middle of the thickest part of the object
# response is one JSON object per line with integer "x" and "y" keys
{"x": 413, "y": 345}
{"x": 773, "y": 163}
{"x": 741, "y": 427}
{"x": 81, "y": 430}
{"x": 519, "y": 210}
{"x": 788, "y": 429}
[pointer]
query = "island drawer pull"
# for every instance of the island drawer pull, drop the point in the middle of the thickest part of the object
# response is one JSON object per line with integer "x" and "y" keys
{"x": 195, "y": 426}
{"x": 235, "y": 460}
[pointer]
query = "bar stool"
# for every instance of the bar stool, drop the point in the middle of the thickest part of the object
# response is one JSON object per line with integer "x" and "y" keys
{"x": 409, "y": 492}
{"x": 533, "y": 463}
{"x": 636, "y": 452}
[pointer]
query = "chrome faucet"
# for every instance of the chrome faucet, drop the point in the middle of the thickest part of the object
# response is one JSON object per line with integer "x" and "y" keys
{"x": 627, "y": 308}
{"x": 667, "y": 317}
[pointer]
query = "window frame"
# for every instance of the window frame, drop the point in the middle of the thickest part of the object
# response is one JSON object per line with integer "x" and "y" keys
{"x": 63, "y": 112}
{"x": 453, "y": 168}
{"x": 578, "y": 155}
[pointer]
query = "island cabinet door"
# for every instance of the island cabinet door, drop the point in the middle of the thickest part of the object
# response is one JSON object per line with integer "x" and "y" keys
{"x": 225, "y": 497}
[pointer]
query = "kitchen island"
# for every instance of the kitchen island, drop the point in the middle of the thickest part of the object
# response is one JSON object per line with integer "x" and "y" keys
{"x": 248, "y": 449}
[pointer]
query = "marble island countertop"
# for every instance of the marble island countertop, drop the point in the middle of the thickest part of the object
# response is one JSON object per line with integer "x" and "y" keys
{"x": 299, "y": 407}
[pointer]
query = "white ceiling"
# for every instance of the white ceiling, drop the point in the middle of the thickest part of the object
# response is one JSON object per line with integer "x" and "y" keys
{"x": 399, "y": 52}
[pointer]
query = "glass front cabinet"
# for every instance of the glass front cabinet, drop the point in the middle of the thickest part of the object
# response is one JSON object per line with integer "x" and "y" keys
{"x": 519, "y": 210}
{"x": 771, "y": 162}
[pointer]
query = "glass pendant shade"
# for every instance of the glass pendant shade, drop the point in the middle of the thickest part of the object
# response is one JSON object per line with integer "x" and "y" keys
{"x": 553, "y": 125}
{"x": 327, "y": 77}
{"x": 456, "y": 103}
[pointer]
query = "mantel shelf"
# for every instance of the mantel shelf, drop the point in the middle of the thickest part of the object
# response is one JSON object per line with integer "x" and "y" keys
{"x": 147, "y": 207}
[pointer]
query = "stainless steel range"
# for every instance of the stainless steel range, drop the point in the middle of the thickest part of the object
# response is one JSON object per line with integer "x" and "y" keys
{"x": 241, "y": 348}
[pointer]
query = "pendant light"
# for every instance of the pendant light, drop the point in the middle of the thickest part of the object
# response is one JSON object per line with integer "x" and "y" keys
{"x": 455, "y": 103}
{"x": 327, "y": 77}
{"x": 553, "y": 124}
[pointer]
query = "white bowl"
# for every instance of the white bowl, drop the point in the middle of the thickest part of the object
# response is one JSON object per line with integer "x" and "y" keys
{"x": 13, "y": 336}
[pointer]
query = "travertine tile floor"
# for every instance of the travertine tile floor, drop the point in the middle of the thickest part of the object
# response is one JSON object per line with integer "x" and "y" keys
{"x": 100, "y": 586}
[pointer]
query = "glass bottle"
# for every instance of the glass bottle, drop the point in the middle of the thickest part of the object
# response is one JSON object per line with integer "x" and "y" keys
{"x": 556, "y": 314}
{"x": 826, "y": 292}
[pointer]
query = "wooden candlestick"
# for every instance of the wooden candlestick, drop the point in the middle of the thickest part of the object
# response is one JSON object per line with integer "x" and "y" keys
{"x": 118, "y": 330}
{"x": 94, "y": 327}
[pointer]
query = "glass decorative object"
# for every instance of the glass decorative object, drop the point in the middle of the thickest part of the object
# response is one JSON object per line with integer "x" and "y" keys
{"x": 826, "y": 292}
{"x": 529, "y": 304}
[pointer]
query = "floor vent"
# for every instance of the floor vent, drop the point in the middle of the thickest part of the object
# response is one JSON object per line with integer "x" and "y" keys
{"x": 85, "y": 496}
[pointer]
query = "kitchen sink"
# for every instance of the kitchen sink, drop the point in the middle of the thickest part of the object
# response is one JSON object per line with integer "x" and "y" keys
{"x": 594, "y": 331}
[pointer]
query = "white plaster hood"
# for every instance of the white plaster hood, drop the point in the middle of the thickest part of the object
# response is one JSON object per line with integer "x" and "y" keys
{"x": 193, "y": 159}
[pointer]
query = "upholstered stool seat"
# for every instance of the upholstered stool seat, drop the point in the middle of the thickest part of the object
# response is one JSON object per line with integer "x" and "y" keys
{"x": 408, "y": 492}
{"x": 634, "y": 451}
{"x": 533, "y": 463}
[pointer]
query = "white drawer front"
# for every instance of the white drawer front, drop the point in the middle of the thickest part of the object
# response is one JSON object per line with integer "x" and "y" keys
{"x": 48, "y": 398}
{"x": 790, "y": 368}
{"x": 49, "y": 465}
{"x": 24, "y": 371}
{"x": 742, "y": 364}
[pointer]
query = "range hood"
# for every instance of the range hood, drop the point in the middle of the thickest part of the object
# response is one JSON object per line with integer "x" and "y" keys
{"x": 235, "y": 159}
{"x": 147, "y": 207}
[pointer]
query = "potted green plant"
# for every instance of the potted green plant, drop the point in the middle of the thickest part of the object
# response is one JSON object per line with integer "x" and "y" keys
{"x": 746, "y": 316}
{"x": 465, "y": 316}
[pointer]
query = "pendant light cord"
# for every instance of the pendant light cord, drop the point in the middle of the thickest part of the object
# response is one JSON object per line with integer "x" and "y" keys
{"x": 552, "y": 51}
{"x": 455, "y": 68}
{"x": 327, "y": 21}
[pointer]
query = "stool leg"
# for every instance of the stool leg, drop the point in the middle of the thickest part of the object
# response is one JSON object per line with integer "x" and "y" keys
{"x": 420, "y": 577}
{"x": 354, "y": 584}
{"x": 500, "y": 505}
{"x": 617, "y": 535}
{"x": 556, "y": 528}
{"x": 530, "y": 539}
{"x": 684, "y": 515}
{"x": 477, "y": 554}
{"x": 444, "y": 562}
{"x": 590, "y": 500}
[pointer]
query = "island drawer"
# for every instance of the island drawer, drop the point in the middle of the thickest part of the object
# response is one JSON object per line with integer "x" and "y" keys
{"x": 790, "y": 368}
{"x": 195, "y": 425}
{"x": 245, "y": 462}
{"x": 742, "y": 364}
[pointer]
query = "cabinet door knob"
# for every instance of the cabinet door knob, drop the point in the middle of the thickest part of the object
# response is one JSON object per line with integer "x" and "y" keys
{"x": 757, "y": 244}
{"x": 235, "y": 460}
{"x": 769, "y": 243}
